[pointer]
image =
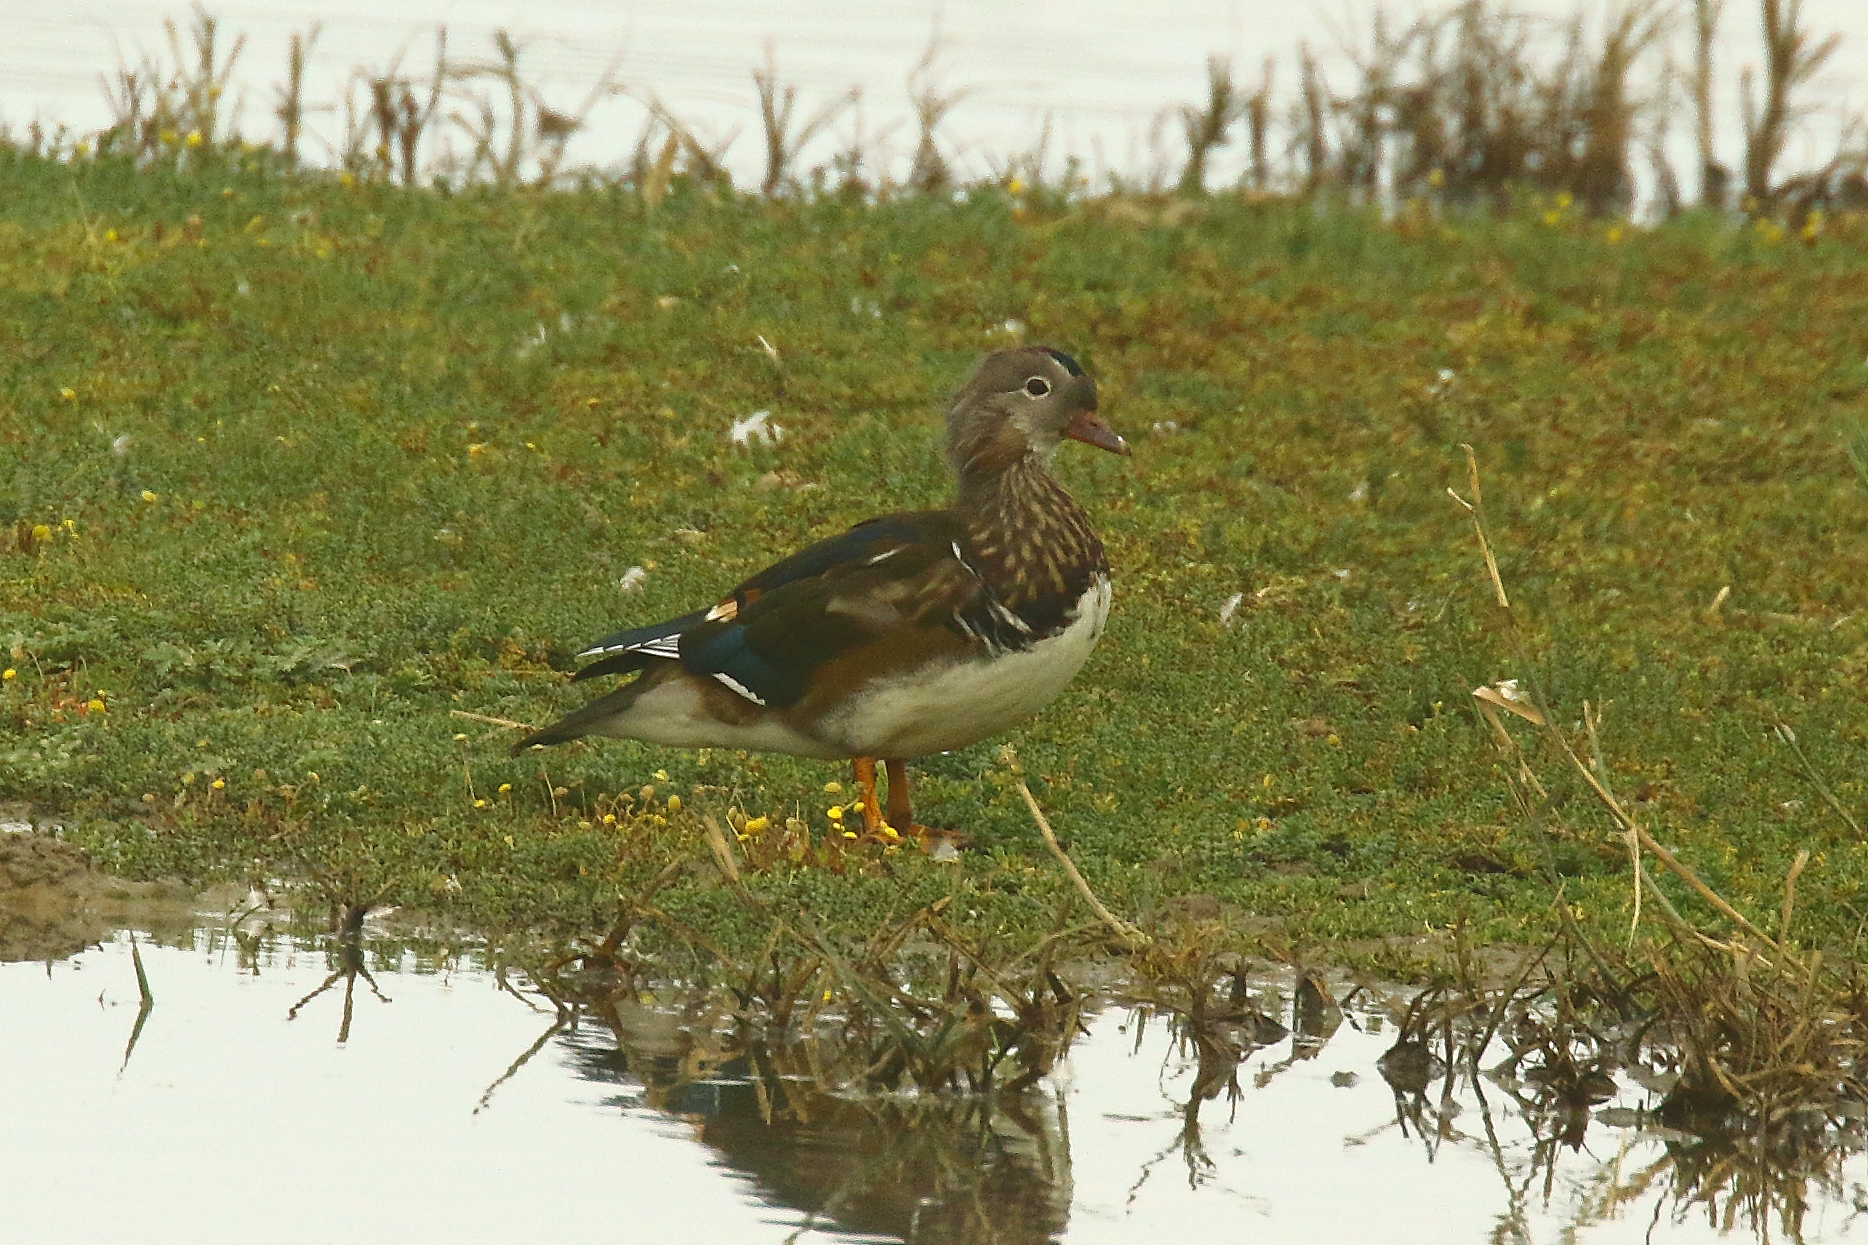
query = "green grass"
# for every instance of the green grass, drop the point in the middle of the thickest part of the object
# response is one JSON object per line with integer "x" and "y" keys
{"x": 382, "y": 454}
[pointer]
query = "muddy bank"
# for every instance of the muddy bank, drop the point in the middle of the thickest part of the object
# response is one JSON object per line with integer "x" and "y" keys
{"x": 53, "y": 903}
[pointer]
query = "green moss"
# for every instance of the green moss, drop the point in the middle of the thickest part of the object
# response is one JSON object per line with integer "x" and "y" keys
{"x": 338, "y": 461}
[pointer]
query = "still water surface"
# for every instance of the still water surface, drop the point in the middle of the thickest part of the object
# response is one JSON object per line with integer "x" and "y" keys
{"x": 231, "y": 1121}
{"x": 1103, "y": 75}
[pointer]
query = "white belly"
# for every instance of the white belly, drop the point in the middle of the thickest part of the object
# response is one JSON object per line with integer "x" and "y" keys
{"x": 676, "y": 716}
{"x": 969, "y": 700}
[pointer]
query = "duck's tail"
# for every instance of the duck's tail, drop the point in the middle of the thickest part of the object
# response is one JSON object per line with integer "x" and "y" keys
{"x": 586, "y": 720}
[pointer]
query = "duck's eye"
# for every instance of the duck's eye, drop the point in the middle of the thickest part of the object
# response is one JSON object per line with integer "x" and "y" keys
{"x": 1037, "y": 387}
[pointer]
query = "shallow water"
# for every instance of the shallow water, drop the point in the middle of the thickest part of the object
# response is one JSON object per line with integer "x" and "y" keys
{"x": 229, "y": 1120}
{"x": 1105, "y": 75}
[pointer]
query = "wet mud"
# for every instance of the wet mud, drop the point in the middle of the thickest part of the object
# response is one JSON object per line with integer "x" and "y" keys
{"x": 54, "y": 904}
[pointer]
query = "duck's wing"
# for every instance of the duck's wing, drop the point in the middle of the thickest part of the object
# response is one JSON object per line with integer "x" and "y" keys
{"x": 902, "y": 579}
{"x": 631, "y": 650}
{"x": 870, "y": 543}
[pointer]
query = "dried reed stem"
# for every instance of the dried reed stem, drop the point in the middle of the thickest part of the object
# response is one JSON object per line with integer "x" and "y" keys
{"x": 481, "y": 717}
{"x": 1128, "y": 933}
{"x": 1606, "y": 797}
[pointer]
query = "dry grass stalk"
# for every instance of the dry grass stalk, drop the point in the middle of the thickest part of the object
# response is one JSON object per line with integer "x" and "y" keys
{"x": 401, "y": 118}
{"x": 704, "y": 161}
{"x": 1670, "y": 200}
{"x": 171, "y": 111}
{"x": 1128, "y": 933}
{"x": 1312, "y": 129}
{"x": 204, "y": 85}
{"x": 1604, "y": 179}
{"x": 518, "y": 134}
{"x": 1207, "y": 128}
{"x": 929, "y": 171}
{"x": 1791, "y": 59}
{"x": 1714, "y": 178}
{"x": 1758, "y": 1026}
{"x": 290, "y": 105}
{"x": 1623, "y": 819}
{"x": 1257, "y": 130}
{"x": 777, "y": 104}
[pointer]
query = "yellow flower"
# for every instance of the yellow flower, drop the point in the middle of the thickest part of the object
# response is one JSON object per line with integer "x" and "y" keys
{"x": 1552, "y": 217}
{"x": 674, "y": 803}
{"x": 754, "y": 825}
{"x": 661, "y": 775}
{"x": 166, "y": 138}
{"x": 888, "y": 835}
{"x": 68, "y": 394}
{"x": 1615, "y": 233}
{"x": 609, "y": 819}
{"x": 849, "y": 834}
{"x": 346, "y": 178}
{"x": 194, "y": 138}
{"x": 9, "y": 674}
{"x": 110, "y": 235}
{"x": 834, "y": 812}
{"x": 41, "y": 533}
{"x": 479, "y": 803}
{"x": 1016, "y": 186}
{"x": 833, "y": 787}
{"x": 473, "y": 451}
{"x": 148, "y": 496}
{"x": 218, "y": 784}
{"x": 94, "y": 705}
{"x": 505, "y": 787}
{"x": 1563, "y": 199}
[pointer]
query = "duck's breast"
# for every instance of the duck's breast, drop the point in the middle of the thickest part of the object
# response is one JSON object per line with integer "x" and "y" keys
{"x": 963, "y": 699}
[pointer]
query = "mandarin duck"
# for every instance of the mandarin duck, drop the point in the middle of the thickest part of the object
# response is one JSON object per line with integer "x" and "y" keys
{"x": 910, "y": 634}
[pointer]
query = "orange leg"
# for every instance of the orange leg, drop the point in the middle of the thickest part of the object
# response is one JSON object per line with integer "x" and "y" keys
{"x": 902, "y": 821}
{"x": 866, "y": 793}
{"x": 899, "y": 816}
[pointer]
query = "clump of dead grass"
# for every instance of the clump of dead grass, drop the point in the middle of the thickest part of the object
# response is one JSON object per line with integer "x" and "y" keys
{"x": 1759, "y": 1032}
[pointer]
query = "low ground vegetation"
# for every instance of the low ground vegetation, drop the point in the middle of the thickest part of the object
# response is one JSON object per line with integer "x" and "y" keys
{"x": 298, "y": 471}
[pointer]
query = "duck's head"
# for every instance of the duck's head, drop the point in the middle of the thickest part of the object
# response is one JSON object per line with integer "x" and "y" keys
{"x": 1020, "y": 403}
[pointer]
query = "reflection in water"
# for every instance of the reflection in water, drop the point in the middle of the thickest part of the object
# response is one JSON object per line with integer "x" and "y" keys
{"x": 972, "y": 1167}
{"x": 921, "y": 1167}
{"x": 1154, "y": 1126}
{"x": 1756, "y": 1176}
{"x": 346, "y": 948}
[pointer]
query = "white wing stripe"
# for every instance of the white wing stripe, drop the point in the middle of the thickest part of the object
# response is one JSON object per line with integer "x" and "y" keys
{"x": 739, "y": 687}
{"x": 666, "y": 646}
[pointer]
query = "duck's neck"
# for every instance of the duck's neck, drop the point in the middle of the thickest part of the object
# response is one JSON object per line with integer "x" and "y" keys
{"x": 1030, "y": 540}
